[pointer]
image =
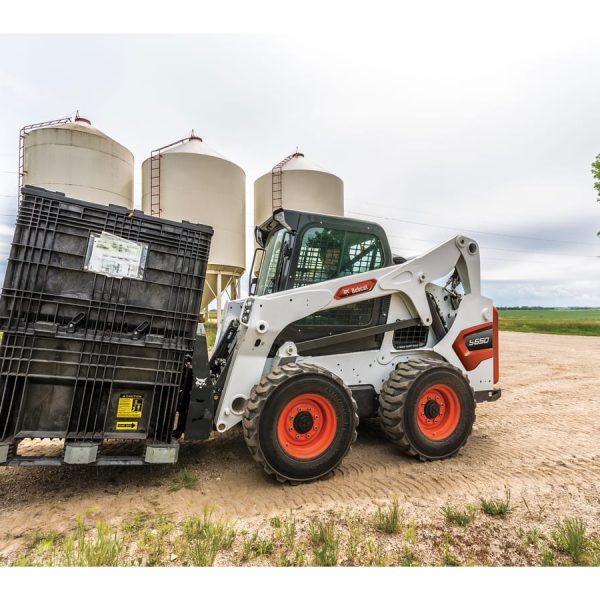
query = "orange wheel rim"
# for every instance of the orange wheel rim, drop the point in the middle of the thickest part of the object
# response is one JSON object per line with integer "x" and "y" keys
{"x": 438, "y": 412}
{"x": 307, "y": 426}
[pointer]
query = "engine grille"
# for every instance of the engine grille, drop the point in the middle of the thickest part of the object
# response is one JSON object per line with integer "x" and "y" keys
{"x": 410, "y": 337}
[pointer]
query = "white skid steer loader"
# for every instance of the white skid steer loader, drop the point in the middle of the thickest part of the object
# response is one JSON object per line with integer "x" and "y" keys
{"x": 339, "y": 330}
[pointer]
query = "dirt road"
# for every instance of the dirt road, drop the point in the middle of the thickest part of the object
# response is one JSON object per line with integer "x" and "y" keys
{"x": 541, "y": 439}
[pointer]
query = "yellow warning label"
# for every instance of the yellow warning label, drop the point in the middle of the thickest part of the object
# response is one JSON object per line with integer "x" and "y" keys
{"x": 127, "y": 425}
{"x": 130, "y": 406}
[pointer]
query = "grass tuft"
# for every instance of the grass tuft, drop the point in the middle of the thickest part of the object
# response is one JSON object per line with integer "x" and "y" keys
{"x": 497, "y": 507}
{"x": 257, "y": 547}
{"x": 325, "y": 543}
{"x": 205, "y": 537}
{"x": 184, "y": 479}
{"x": 570, "y": 538}
{"x": 456, "y": 516}
{"x": 388, "y": 520}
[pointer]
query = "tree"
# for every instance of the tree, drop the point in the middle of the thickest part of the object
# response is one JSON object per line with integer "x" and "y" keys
{"x": 596, "y": 174}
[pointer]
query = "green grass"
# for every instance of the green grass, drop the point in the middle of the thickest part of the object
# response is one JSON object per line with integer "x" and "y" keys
{"x": 205, "y": 537}
{"x": 325, "y": 543}
{"x": 388, "y": 519}
{"x": 497, "y": 507}
{"x": 184, "y": 479}
{"x": 210, "y": 327}
{"x": 558, "y": 321}
{"x": 257, "y": 547}
{"x": 570, "y": 538}
{"x": 456, "y": 516}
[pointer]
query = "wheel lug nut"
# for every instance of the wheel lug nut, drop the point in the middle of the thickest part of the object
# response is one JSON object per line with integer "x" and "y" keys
{"x": 297, "y": 437}
{"x": 315, "y": 428}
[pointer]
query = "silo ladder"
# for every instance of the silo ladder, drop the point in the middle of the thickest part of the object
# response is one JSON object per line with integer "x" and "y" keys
{"x": 277, "y": 181}
{"x": 22, "y": 135}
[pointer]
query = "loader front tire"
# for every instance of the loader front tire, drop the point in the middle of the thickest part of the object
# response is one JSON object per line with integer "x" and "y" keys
{"x": 427, "y": 408}
{"x": 300, "y": 422}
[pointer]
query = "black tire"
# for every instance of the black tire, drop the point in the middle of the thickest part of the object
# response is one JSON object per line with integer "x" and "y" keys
{"x": 399, "y": 404}
{"x": 275, "y": 394}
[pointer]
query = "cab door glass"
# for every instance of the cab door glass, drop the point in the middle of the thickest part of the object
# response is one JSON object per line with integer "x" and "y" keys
{"x": 271, "y": 264}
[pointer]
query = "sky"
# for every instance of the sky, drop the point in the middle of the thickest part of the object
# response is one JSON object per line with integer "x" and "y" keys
{"x": 485, "y": 126}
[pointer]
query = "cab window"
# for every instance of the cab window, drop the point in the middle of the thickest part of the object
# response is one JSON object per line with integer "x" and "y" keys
{"x": 327, "y": 253}
{"x": 271, "y": 264}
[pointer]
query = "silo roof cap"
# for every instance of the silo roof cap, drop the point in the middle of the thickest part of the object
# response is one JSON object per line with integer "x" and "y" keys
{"x": 300, "y": 163}
{"x": 194, "y": 145}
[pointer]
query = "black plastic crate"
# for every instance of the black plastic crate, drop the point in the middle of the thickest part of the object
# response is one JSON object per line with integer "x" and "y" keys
{"x": 76, "y": 389}
{"x": 47, "y": 279}
{"x": 87, "y": 356}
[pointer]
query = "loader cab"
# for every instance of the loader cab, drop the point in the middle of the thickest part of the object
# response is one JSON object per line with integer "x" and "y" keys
{"x": 304, "y": 248}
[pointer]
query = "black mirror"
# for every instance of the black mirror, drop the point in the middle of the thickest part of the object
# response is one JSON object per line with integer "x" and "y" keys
{"x": 253, "y": 284}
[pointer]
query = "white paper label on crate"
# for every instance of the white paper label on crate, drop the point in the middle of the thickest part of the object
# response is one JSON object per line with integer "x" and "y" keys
{"x": 115, "y": 256}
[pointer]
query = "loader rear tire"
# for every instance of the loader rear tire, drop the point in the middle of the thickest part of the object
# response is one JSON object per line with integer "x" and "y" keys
{"x": 427, "y": 408}
{"x": 300, "y": 422}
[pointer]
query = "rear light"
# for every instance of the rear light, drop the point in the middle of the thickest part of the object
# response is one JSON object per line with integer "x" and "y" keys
{"x": 496, "y": 354}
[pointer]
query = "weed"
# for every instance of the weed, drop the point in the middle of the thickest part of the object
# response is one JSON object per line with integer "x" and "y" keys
{"x": 456, "y": 516}
{"x": 205, "y": 537}
{"x": 548, "y": 558}
{"x": 355, "y": 537}
{"x": 408, "y": 558}
{"x": 154, "y": 541}
{"x": 256, "y": 546}
{"x": 376, "y": 557}
{"x": 570, "y": 537}
{"x": 326, "y": 555}
{"x": 533, "y": 537}
{"x": 411, "y": 533}
{"x": 497, "y": 507}
{"x": 321, "y": 532}
{"x": 298, "y": 559}
{"x": 289, "y": 530}
{"x": 448, "y": 558}
{"x": 276, "y": 522}
{"x": 184, "y": 479}
{"x": 136, "y": 523}
{"x": 388, "y": 520}
{"x": 98, "y": 550}
{"x": 46, "y": 540}
{"x": 325, "y": 543}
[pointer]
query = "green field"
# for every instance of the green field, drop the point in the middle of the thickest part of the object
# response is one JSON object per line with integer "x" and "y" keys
{"x": 550, "y": 320}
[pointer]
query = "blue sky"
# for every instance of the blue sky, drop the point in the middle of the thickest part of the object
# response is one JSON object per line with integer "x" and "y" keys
{"x": 436, "y": 129}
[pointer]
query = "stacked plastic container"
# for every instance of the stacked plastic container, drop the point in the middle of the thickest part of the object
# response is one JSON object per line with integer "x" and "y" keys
{"x": 99, "y": 313}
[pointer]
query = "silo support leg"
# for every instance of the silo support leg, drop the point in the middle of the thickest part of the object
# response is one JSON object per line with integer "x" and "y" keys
{"x": 219, "y": 294}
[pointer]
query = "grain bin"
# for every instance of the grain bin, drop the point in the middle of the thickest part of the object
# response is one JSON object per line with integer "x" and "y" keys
{"x": 297, "y": 183}
{"x": 72, "y": 157}
{"x": 188, "y": 180}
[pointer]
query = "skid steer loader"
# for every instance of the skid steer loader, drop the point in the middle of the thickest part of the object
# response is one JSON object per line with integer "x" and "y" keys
{"x": 335, "y": 329}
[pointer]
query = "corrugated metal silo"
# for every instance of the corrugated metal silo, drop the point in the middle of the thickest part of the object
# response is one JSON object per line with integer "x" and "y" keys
{"x": 188, "y": 180}
{"x": 296, "y": 183}
{"x": 79, "y": 160}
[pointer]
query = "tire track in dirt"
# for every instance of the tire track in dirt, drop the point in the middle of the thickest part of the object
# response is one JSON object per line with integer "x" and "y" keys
{"x": 537, "y": 439}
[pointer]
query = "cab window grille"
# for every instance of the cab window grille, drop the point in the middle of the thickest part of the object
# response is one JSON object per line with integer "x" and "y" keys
{"x": 410, "y": 337}
{"x": 327, "y": 253}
